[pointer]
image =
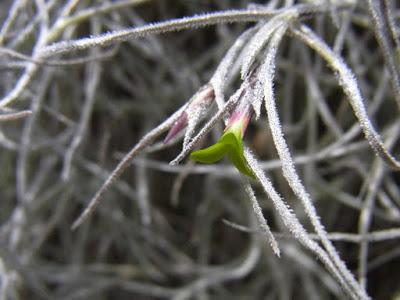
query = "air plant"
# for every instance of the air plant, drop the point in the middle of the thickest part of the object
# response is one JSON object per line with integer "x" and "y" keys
{"x": 38, "y": 197}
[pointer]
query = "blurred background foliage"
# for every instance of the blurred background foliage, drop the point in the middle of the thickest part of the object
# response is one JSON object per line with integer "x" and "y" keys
{"x": 161, "y": 231}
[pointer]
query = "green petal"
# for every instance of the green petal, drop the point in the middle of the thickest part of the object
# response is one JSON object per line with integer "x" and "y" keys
{"x": 211, "y": 154}
{"x": 228, "y": 144}
{"x": 236, "y": 155}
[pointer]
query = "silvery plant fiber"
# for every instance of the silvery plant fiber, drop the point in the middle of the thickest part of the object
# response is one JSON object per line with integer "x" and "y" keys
{"x": 199, "y": 149}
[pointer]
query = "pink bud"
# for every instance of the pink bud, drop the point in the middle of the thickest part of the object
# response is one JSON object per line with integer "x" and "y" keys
{"x": 179, "y": 124}
{"x": 240, "y": 118}
{"x": 198, "y": 105}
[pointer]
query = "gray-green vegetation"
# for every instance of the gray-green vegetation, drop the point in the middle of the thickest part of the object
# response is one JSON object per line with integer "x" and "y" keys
{"x": 96, "y": 202}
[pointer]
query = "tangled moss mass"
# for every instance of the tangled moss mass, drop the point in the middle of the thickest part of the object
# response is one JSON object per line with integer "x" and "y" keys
{"x": 104, "y": 105}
